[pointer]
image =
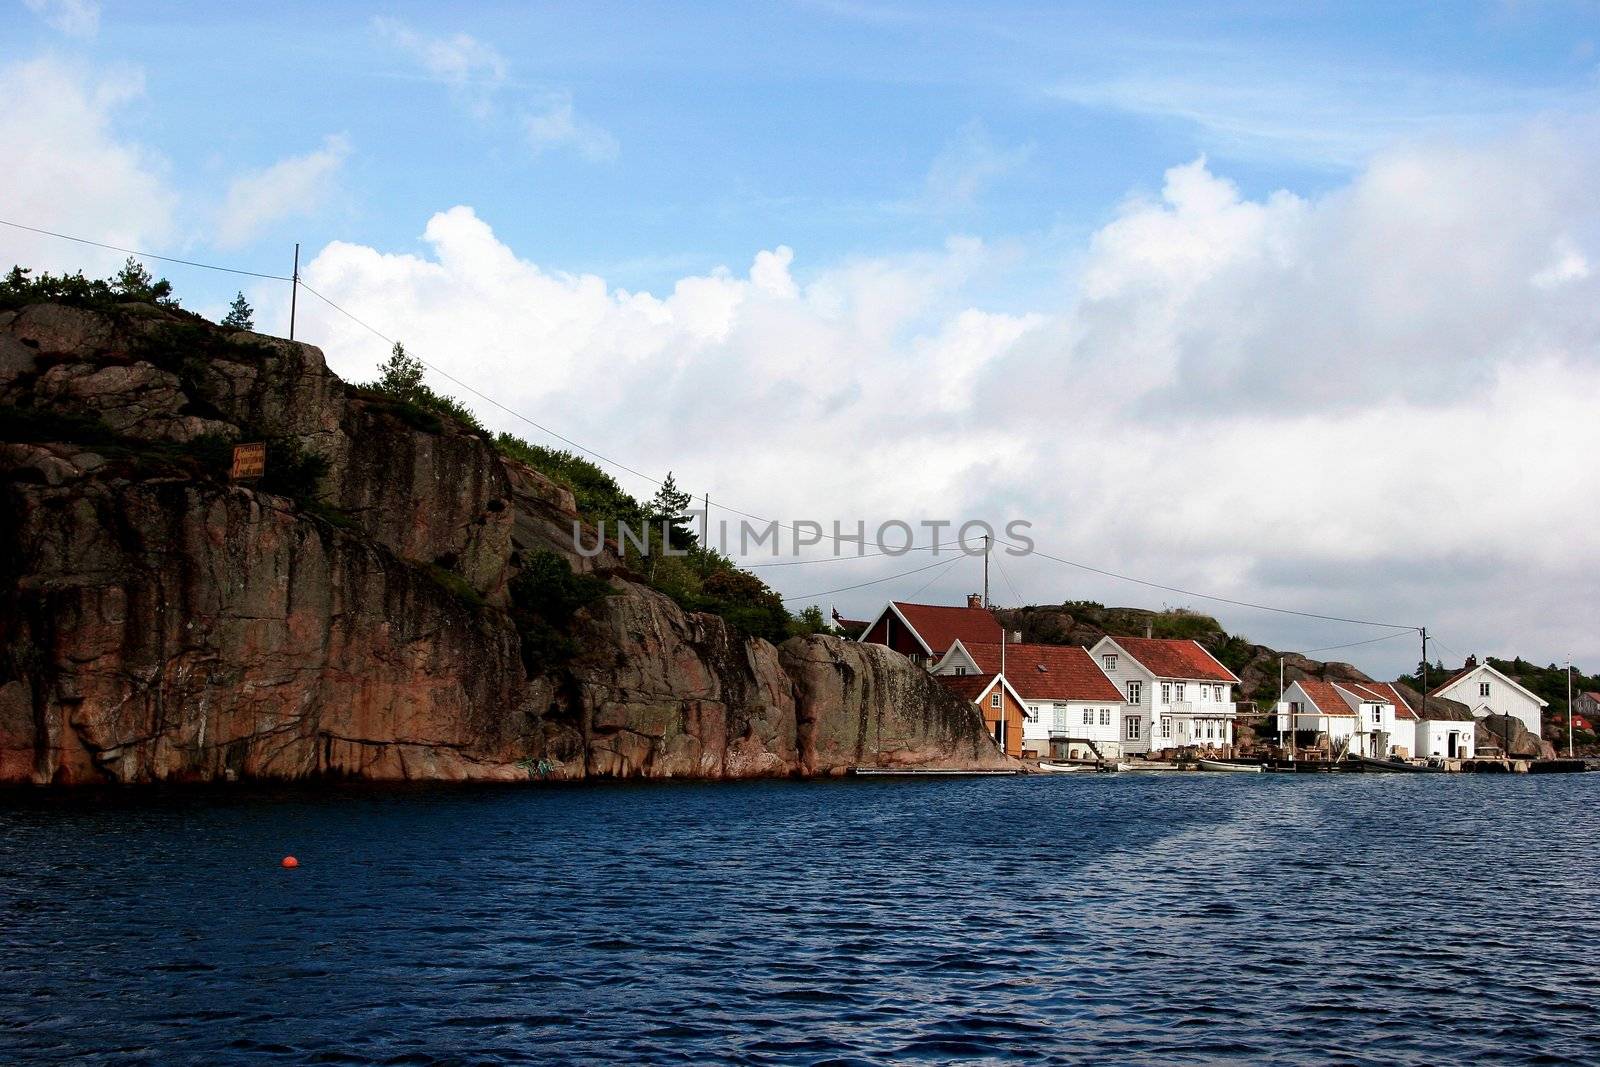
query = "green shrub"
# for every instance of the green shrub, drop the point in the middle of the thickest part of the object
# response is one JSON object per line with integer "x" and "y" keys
{"x": 597, "y": 494}
{"x": 545, "y": 595}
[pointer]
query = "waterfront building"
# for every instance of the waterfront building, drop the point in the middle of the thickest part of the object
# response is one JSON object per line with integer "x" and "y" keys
{"x": 1489, "y": 692}
{"x": 1002, "y": 708}
{"x": 1073, "y": 710}
{"x": 923, "y": 633}
{"x": 1175, "y": 693}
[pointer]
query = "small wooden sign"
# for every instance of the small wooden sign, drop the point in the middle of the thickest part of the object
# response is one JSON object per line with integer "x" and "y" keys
{"x": 249, "y": 461}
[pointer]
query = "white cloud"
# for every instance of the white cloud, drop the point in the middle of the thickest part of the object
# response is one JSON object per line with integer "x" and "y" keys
{"x": 68, "y": 170}
{"x": 290, "y": 188}
{"x": 473, "y": 71}
{"x": 556, "y": 125}
{"x": 966, "y": 166}
{"x": 1353, "y": 403}
{"x": 77, "y": 18}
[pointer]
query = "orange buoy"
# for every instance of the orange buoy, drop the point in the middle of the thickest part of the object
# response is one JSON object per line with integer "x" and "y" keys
{"x": 290, "y": 861}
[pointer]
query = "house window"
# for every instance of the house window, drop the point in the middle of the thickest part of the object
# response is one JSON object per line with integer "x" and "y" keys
{"x": 1060, "y": 721}
{"x": 994, "y": 700}
{"x": 961, "y": 670}
{"x": 1031, "y": 712}
{"x": 1166, "y": 692}
{"x": 1483, "y": 689}
{"x": 1377, "y": 715}
{"x": 1166, "y": 726}
{"x": 1132, "y": 722}
{"x": 1109, "y": 660}
{"x": 1105, "y": 716}
{"x": 1179, "y": 689}
{"x": 1136, "y": 692}
{"x": 1210, "y": 730}
{"x": 1088, "y": 716}
{"x": 1294, "y": 707}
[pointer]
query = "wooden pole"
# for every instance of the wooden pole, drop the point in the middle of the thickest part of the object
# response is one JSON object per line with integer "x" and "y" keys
{"x": 294, "y": 288}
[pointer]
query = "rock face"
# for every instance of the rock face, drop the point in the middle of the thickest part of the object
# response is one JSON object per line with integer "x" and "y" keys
{"x": 158, "y": 623}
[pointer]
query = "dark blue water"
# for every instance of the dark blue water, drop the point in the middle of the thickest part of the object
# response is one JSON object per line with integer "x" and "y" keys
{"x": 1125, "y": 918}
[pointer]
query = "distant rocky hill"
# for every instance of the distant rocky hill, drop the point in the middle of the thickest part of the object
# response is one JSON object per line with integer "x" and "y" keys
{"x": 396, "y": 598}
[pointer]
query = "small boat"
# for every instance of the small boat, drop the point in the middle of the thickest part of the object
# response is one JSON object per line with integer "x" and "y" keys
{"x": 1069, "y": 768}
{"x": 1370, "y": 764}
{"x": 1236, "y": 768}
{"x": 1146, "y": 766}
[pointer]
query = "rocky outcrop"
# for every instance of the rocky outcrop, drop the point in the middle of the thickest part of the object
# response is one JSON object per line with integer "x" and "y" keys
{"x": 857, "y": 705}
{"x": 1507, "y": 734}
{"x": 158, "y": 623}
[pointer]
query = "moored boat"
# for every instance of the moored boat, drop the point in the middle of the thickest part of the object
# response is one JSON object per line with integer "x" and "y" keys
{"x": 1236, "y": 768}
{"x": 1388, "y": 766}
{"x": 1072, "y": 768}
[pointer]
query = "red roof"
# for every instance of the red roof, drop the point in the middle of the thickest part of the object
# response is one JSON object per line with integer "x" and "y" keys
{"x": 1386, "y": 692}
{"x": 1049, "y": 672}
{"x": 1167, "y": 658}
{"x": 941, "y": 626}
{"x": 1325, "y": 697}
{"x": 966, "y": 686}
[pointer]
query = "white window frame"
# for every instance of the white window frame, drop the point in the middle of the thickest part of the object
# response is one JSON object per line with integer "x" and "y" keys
{"x": 1108, "y": 660}
{"x": 1166, "y": 726}
{"x": 1136, "y": 692}
{"x": 1088, "y": 716}
{"x": 1483, "y": 689}
{"x": 1105, "y": 716}
{"x": 1166, "y": 692}
{"x": 1178, "y": 688}
{"x": 1131, "y": 726}
{"x": 994, "y": 699}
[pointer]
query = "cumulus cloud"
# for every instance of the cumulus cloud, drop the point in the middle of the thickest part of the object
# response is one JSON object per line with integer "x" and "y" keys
{"x": 67, "y": 169}
{"x": 77, "y": 18}
{"x": 1356, "y": 403}
{"x": 290, "y": 188}
{"x": 554, "y": 124}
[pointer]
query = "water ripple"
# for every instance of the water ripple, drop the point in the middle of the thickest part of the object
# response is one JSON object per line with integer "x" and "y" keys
{"x": 1182, "y": 918}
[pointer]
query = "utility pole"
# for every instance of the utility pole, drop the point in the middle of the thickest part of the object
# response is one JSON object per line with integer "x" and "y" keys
{"x": 1282, "y": 715}
{"x": 986, "y": 585}
{"x": 294, "y": 288}
{"x": 705, "y": 517}
{"x": 1424, "y": 711}
{"x": 1569, "y": 705}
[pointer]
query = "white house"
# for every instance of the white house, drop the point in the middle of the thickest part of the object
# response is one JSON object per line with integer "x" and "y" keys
{"x": 1073, "y": 710}
{"x": 1450, "y": 738}
{"x": 1318, "y": 707}
{"x": 1175, "y": 693}
{"x": 1488, "y": 692}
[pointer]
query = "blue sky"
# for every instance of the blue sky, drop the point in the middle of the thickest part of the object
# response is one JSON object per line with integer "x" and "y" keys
{"x": 1204, "y": 291}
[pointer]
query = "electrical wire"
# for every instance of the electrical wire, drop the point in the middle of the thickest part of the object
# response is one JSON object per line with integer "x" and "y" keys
{"x": 148, "y": 255}
{"x": 875, "y": 581}
{"x": 842, "y": 557}
{"x": 1353, "y": 644}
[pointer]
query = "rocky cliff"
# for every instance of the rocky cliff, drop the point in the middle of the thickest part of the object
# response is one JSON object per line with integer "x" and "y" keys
{"x": 355, "y": 613}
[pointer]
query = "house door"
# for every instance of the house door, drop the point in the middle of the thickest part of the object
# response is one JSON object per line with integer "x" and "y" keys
{"x": 1450, "y": 744}
{"x": 1000, "y": 733}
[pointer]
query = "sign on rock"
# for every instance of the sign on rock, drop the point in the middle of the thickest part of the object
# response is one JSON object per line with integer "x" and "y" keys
{"x": 249, "y": 461}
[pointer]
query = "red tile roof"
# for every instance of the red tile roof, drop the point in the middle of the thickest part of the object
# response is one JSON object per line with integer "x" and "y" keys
{"x": 1167, "y": 658}
{"x": 1325, "y": 697}
{"x": 941, "y": 626}
{"x": 1387, "y": 692}
{"x": 966, "y": 686}
{"x": 1049, "y": 672}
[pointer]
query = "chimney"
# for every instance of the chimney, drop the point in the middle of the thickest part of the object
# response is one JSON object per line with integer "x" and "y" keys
{"x": 974, "y": 600}
{"x": 1472, "y": 661}
{"x": 1149, "y": 629}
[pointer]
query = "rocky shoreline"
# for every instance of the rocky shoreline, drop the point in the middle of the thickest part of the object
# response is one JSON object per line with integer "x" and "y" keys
{"x": 158, "y": 624}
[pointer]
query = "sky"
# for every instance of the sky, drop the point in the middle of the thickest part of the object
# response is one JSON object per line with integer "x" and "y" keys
{"x": 1287, "y": 305}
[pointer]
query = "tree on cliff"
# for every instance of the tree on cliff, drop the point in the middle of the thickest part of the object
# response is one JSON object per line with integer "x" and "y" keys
{"x": 669, "y": 505}
{"x": 241, "y": 316}
{"x": 133, "y": 282}
{"x": 401, "y": 376}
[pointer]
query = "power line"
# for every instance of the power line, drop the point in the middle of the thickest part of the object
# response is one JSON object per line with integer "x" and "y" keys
{"x": 875, "y": 581}
{"x": 1207, "y": 596}
{"x": 1353, "y": 644}
{"x": 1016, "y": 597}
{"x": 148, "y": 255}
{"x": 934, "y": 578}
{"x": 843, "y": 557}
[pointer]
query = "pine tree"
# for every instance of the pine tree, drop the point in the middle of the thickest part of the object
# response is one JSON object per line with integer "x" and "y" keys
{"x": 133, "y": 282}
{"x": 241, "y": 316}
{"x": 401, "y": 376}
